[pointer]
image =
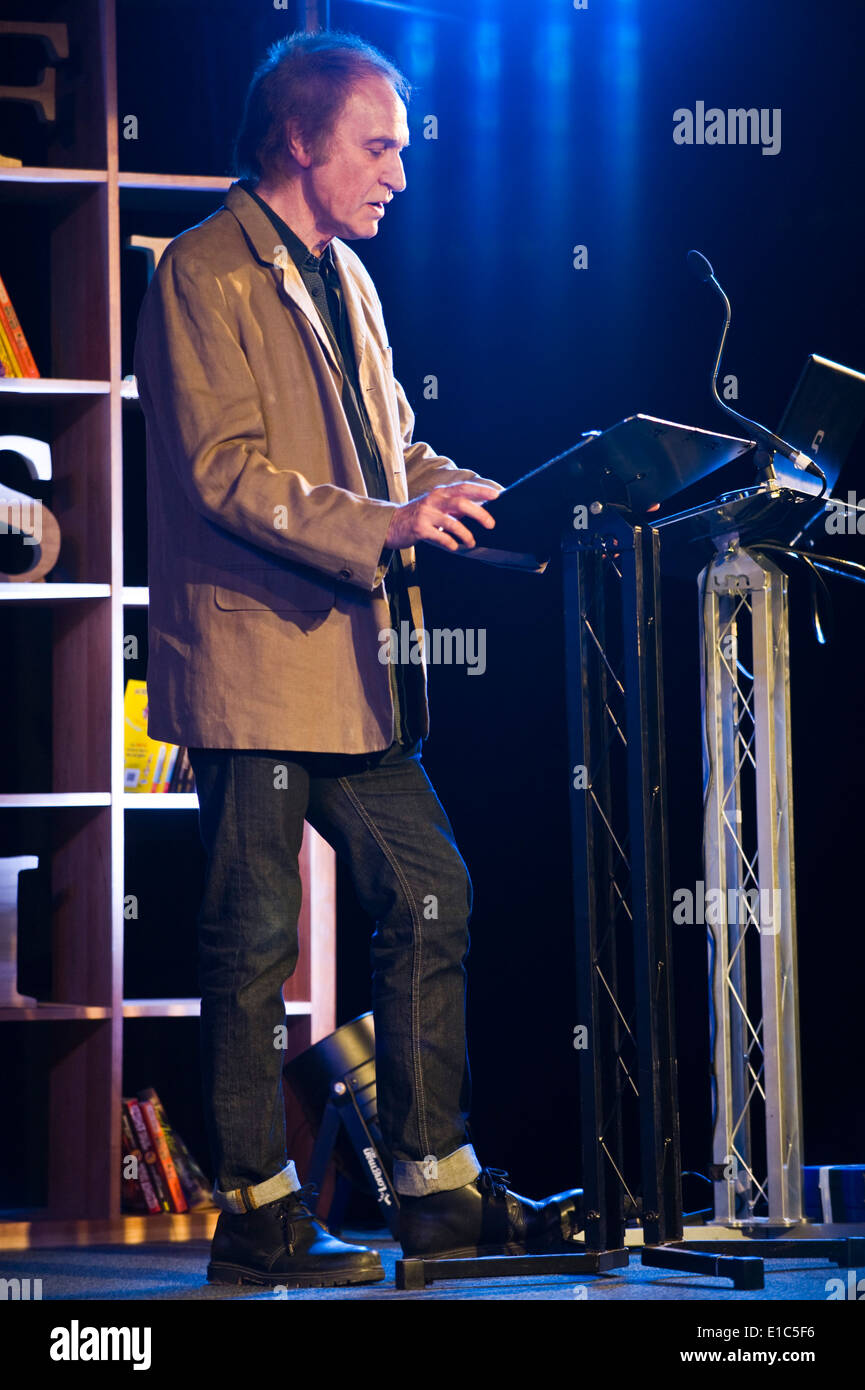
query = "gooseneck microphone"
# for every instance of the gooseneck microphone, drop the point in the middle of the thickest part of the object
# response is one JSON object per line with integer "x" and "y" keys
{"x": 701, "y": 268}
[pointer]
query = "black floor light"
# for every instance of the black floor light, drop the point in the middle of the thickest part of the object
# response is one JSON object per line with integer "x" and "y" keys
{"x": 334, "y": 1081}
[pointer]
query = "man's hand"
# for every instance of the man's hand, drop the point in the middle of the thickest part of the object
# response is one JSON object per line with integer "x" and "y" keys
{"x": 435, "y": 517}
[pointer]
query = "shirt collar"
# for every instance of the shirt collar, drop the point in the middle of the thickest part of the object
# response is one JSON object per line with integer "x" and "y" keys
{"x": 304, "y": 259}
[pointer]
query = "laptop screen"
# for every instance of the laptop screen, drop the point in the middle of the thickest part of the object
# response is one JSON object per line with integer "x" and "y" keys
{"x": 823, "y": 417}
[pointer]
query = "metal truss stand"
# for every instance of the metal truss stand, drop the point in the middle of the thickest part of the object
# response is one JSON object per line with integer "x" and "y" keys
{"x": 750, "y": 910}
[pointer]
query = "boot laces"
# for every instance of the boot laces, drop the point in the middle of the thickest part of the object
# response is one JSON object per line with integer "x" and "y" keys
{"x": 297, "y": 1206}
{"x": 495, "y": 1181}
{"x": 307, "y": 1196}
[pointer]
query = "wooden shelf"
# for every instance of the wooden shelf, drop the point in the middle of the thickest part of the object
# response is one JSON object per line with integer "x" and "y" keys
{"x": 35, "y": 173}
{"x": 132, "y": 801}
{"x": 161, "y": 1008}
{"x": 51, "y": 388}
{"x": 51, "y": 1013}
{"x": 160, "y": 801}
{"x": 183, "y": 183}
{"x": 63, "y": 800}
{"x": 31, "y": 185}
{"x": 78, "y": 215}
{"x": 191, "y": 1008}
{"x": 45, "y": 1232}
{"x": 43, "y": 591}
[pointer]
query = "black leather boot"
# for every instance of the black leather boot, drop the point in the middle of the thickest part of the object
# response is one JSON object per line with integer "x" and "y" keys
{"x": 283, "y": 1243}
{"x": 486, "y": 1218}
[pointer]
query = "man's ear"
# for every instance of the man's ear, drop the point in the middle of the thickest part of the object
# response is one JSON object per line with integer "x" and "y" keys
{"x": 295, "y": 146}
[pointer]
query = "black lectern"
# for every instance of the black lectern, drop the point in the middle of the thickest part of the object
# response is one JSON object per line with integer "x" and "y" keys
{"x": 593, "y": 501}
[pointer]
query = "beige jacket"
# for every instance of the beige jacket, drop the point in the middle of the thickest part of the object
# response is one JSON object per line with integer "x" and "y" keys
{"x": 267, "y": 590}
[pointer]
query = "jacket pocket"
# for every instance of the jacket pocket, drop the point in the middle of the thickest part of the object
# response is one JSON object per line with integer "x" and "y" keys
{"x": 259, "y": 587}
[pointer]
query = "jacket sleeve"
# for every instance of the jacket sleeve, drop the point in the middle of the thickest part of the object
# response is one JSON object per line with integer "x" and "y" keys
{"x": 204, "y": 420}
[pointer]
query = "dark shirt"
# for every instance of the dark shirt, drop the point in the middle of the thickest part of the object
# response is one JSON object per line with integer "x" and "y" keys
{"x": 321, "y": 278}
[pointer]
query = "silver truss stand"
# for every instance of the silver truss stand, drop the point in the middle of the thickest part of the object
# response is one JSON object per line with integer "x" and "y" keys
{"x": 750, "y": 903}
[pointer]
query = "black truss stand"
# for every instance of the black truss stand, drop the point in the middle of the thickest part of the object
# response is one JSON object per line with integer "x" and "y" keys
{"x": 619, "y": 862}
{"x": 628, "y": 1080}
{"x": 583, "y": 501}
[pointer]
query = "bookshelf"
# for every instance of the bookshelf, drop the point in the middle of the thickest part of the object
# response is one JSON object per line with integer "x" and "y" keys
{"x": 61, "y": 791}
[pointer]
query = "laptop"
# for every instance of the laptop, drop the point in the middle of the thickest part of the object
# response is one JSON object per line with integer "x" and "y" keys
{"x": 825, "y": 413}
{"x": 823, "y": 418}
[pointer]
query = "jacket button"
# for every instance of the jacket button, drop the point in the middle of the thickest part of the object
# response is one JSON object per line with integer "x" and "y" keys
{"x": 345, "y": 574}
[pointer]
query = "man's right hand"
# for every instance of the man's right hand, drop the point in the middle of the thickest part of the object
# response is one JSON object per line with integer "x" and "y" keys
{"x": 434, "y": 517}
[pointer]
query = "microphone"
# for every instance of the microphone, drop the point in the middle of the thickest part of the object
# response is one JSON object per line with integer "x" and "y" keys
{"x": 700, "y": 267}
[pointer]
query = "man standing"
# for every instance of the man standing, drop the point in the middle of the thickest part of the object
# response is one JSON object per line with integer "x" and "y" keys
{"x": 285, "y": 498}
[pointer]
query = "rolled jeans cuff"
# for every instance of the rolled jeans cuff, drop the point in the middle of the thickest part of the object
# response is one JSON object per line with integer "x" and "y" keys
{"x": 242, "y": 1199}
{"x": 420, "y": 1178}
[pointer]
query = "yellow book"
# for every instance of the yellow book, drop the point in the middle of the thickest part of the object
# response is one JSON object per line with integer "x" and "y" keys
{"x": 147, "y": 763}
{"x": 8, "y": 360}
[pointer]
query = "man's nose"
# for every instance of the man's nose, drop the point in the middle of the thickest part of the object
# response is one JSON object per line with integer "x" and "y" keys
{"x": 395, "y": 174}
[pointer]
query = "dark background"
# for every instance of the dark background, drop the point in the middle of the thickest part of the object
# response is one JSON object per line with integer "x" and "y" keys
{"x": 555, "y": 129}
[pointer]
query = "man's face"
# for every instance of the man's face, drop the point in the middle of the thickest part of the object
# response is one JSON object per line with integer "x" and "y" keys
{"x": 362, "y": 170}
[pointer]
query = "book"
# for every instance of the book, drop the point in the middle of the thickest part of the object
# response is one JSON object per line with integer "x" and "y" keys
{"x": 183, "y": 778}
{"x": 131, "y": 1195}
{"x": 145, "y": 1143}
{"x": 8, "y": 360}
{"x": 197, "y": 1177}
{"x": 166, "y": 1162}
{"x": 138, "y": 1193}
{"x": 168, "y": 769}
{"x": 15, "y": 334}
{"x": 147, "y": 763}
{"x": 192, "y": 1180}
{"x": 174, "y": 785}
{"x": 188, "y": 776}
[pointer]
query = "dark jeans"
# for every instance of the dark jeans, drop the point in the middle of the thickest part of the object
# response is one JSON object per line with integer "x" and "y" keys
{"x": 382, "y": 817}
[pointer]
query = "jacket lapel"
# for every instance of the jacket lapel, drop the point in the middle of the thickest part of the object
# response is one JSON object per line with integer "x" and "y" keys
{"x": 261, "y": 235}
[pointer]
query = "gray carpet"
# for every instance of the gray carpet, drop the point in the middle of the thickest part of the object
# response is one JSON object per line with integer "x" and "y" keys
{"x": 176, "y": 1272}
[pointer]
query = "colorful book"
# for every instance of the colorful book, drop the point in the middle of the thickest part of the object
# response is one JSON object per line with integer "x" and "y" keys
{"x": 166, "y": 1162}
{"x": 147, "y": 762}
{"x": 131, "y": 1195}
{"x": 168, "y": 769}
{"x": 202, "y": 1185}
{"x": 8, "y": 361}
{"x": 15, "y": 335}
{"x": 178, "y": 770}
{"x": 142, "y": 1134}
{"x": 138, "y": 1193}
{"x": 183, "y": 778}
{"x": 192, "y": 1180}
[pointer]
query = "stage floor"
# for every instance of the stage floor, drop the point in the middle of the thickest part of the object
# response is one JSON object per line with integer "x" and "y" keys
{"x": 176, "y": 1272}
